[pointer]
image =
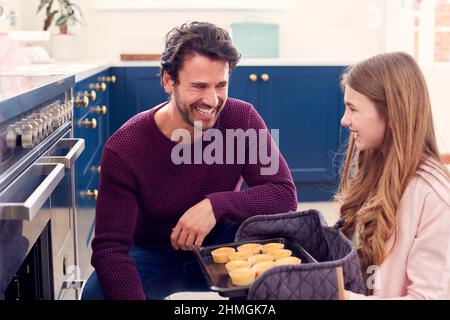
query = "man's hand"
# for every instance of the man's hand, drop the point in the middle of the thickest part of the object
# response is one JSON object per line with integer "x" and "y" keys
{"x": 193, "y": 226}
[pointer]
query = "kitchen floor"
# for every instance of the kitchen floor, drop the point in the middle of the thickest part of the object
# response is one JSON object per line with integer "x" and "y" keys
{"x": 328, "y": 209}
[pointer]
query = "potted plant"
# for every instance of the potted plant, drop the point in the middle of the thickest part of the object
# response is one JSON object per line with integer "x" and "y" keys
{"x": 67, "y": 13}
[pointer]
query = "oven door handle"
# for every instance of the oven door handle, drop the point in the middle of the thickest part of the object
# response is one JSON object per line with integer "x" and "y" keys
{"x": 26, "y": 210}
{"x": 75, "y": 146}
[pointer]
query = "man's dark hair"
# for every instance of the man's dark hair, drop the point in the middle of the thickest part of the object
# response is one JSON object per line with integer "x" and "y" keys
{"x": 201, "y": 38}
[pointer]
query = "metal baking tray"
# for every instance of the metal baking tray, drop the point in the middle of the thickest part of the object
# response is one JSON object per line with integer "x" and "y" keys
{"x": 217, "y": 276}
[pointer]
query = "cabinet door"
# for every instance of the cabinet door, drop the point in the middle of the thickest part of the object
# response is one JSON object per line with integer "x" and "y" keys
{"x": 117, "y": 111}
{"x": 243, "y": 85}
{"x": 143, "y": 89}
{"x": 304, "y": 103}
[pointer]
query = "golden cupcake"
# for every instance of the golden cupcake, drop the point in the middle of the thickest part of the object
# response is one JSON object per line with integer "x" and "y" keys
{"x": 288, "y": 261}
{"x": 242, "y": 276}
{"x": 263, "y": 266}
{"x": 240, "y": 255}
{"x": 221, "y": 254}
{"x": 280, "y": 253}
{"x": 237, "y": 264}
{"x": 257, "y": 258}
{"x": 272, "y": 246}
{"x": 254, "y": 248}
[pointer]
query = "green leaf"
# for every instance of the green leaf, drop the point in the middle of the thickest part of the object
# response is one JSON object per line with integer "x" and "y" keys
{"x": 62, "y": 20}
{"x": 43, "y": 4}
{"x": 49, "y": 6}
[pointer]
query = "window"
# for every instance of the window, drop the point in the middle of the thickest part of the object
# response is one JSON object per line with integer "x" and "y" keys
{"x": 432, "y": 30}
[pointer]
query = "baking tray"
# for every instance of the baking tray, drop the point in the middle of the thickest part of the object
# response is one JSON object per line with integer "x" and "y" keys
{"x": 217, "y": 276}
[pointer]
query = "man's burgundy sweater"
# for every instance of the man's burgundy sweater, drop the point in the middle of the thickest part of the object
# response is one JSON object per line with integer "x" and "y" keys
{"x": 142, "y": 193}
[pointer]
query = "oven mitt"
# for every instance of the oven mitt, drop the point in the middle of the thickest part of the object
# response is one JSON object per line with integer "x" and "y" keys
{"x": 338, "y": 263}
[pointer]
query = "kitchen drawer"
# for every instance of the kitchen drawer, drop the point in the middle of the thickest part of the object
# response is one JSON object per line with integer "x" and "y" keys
{"x": 89, "y": 169}
{"x": 93, "y": 145}
{"x": 93, "y": 167}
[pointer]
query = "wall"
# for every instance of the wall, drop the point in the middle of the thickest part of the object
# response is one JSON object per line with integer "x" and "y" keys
{"x": 437, "y": 77}
{"x": 320, "y": 29}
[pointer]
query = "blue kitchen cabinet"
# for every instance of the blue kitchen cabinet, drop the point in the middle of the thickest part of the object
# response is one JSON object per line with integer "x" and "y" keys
{"x": 91, "y": 122}
{"x": 137, "y": 89}
{"x": 117, "y": 100}
{"x": 144, "y": 90}
{"x": 243, "y": 85}
{"x": 304, "y": 103}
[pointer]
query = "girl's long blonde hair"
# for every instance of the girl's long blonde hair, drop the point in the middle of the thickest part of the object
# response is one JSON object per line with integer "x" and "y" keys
{"x": 373, "y": 181}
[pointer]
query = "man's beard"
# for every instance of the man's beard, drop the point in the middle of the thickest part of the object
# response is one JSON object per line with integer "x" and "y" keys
{"x": 185, "y": 110}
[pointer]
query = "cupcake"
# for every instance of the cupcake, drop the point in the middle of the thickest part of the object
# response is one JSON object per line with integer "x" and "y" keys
{"x": 240, "y": 255}
{"x": 237, "y": 264}
{"x": 254, "y": 248}
{"x": 221, "y": 254}
{"x": 263, "y": 266}
{"x": 287, "y": 261}
{"x": 242, "y": 276}
{"x": 260, "y": 258}
{"x": 271, "y": 246}
{"x": 280, "y": 253}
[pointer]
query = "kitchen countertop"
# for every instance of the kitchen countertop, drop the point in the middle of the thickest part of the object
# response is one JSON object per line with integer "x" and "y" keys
{"x": 18, "y": 93}
{"x": 81, "y": 70}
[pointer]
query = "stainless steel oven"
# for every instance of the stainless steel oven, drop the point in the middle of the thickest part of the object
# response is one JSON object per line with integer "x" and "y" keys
{"x": 37, "y": 194}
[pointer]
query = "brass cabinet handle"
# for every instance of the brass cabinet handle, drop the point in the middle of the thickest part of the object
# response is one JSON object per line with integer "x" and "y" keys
{"x": 91, "y": 95}
{"x": 82, "y": 101}
{"x": 265, "y": 77}
{"x": 111, "y": 79}
{"x": 253, "y": 77}
{"x": 99, "y": 110}
{"x": 96, "y": 170}
{"x": 89, "y": 194}
{"x": 88, "y": 123}
{"x": 98, "y": 86}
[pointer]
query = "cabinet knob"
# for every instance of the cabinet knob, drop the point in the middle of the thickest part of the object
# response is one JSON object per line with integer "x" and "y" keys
{"x": 96, "y": 169}
{"x": 99, "y": 110}
{"x": 265, "y": 77}
{"x": 253, "y": 77}
{"x": 88, "y": 123}
{"x": 91, "y": 95}
{"x": 111, "y": 79}
{"x": 89, "y": 194}
{"x": 84, "y": 101}
{"x": 98, "y": 86}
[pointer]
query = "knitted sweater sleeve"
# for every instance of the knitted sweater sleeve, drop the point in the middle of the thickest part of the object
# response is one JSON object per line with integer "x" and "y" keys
{"x": 116, "y": 215}
{"x": 271, "y": 187}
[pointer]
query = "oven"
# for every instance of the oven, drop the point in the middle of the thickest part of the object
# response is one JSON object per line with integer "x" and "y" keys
{"x": 38, "y": 242}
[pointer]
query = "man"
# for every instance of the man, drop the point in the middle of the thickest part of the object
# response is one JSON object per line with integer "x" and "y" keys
{"x": 154, "y": 208}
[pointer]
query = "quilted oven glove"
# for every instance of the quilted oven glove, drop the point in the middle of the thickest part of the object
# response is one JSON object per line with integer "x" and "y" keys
{"x": 338, "y": 264}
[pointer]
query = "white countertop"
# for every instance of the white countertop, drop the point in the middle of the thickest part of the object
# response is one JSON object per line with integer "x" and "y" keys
{"x": 85, "y": 69}
{"x": 81, "y": 70}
